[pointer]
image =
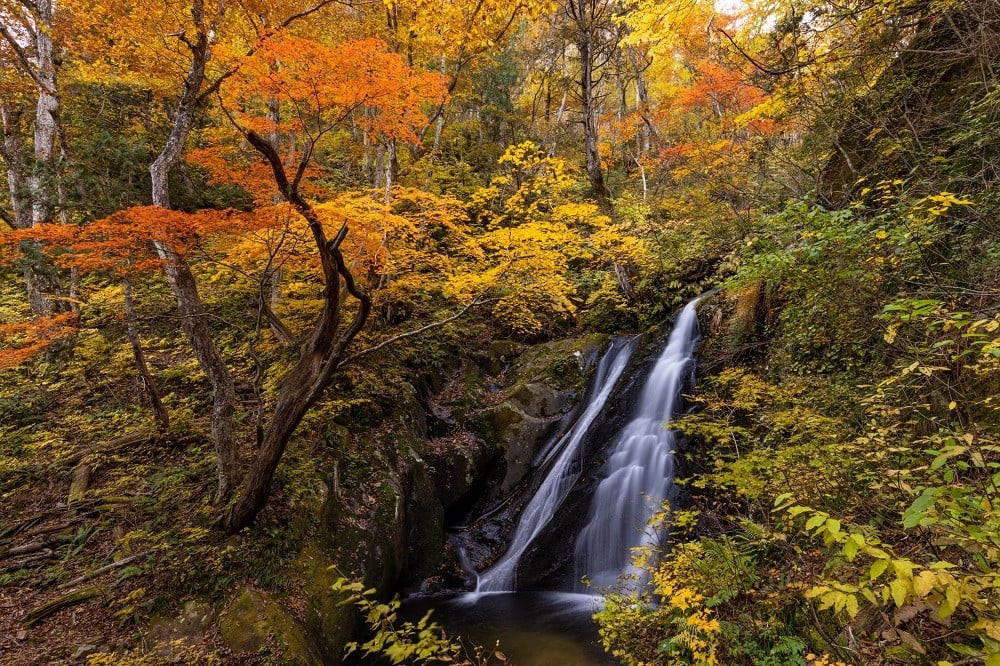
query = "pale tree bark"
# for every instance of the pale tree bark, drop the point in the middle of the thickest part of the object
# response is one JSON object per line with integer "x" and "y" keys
{"x": 29, "y": 36}
{"x": 648, "y": 129}
{"x": 12, "y": 150}
{"x": 46, "y": 116}
{"x": 191, "y": 309}
{"x": 391, "y": 168}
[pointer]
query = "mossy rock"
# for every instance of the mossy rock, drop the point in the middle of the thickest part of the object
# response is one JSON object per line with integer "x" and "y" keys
{"x": 424, "y": 524}
{"x": 541, "y": 400}
{"x": 329, "y": 624}
{"x": 456, "y": 466}
{"x": 499, "y": 356}
{"x": 254, "y": 622}
{"x": 562, "y": 364}
{"x": 543, "y": 386}
{"x": 517, "y": 434}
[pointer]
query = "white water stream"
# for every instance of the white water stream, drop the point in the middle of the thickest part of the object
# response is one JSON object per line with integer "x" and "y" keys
{"x": 639, "y": 474}
{"x": 502, "y": 576}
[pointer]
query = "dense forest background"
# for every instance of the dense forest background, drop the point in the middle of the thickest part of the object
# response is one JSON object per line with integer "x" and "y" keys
{"x": 247, "y": 245}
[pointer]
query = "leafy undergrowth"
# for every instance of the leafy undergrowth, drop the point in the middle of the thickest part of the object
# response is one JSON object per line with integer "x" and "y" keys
{"x": 845, "y": 465}
{"x": 142, "y": 533}
{"x": 95, "y": 499}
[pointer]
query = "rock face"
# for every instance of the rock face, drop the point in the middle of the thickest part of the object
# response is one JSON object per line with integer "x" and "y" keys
{"x": 542, "y": 396}
{"x": 537, "y": 394}
{"x": 448, "y": 450}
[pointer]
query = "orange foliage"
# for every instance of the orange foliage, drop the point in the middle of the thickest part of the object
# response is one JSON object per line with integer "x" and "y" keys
{"x": 321, "y": 86}
{"x": 21, "y": 341}
{"x": 122, "y": 242}
{"x": 718, "y": 88}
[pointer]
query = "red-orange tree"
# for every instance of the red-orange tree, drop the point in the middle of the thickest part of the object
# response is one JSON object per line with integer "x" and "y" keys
{"x": 319, "y": 88}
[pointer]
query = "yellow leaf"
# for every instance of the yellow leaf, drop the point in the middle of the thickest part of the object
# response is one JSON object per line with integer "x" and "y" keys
{"x": 924, "y": 583}
{"x": 852, "y": 605}
{"x": 898, "y": 589}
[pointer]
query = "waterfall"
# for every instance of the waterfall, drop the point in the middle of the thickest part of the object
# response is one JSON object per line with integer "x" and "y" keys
{"x": 563, "y": 473}
{"x": 639, "y": 473}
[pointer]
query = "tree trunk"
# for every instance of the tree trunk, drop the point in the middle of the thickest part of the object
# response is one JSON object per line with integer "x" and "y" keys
{"x": 12, "y": 151}
{"x": 391, "y": 168}
{"x": 583, "y": 14}
{"x": 320, "y": 357}
{"x": 194, "y": 319}
{"x": 38, "y": 61}
{"x": 642, "y": 103}
{"x": 46, "y": 114}
{"x": 13, "y": 156}
{"x": 159, "y": 411}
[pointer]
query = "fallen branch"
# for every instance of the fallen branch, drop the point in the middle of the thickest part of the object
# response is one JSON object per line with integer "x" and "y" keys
{"x": 65, "y": 601}
{"x": 25, "y": 549}
{"x": 106, "y": 568}
{"x": 47, "y": 529}
{"x": 25, "y": 525}
{"x": 111, "y": 446}
{"x": 32, "y": 562}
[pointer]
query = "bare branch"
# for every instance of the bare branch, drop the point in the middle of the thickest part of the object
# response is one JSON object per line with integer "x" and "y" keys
{"x": 409, "y": 334}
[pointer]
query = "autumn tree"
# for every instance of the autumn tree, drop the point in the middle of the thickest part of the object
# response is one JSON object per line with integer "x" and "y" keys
{"x": 203, "y": 41}
{"x": 454, "y": 39}
{"x": 28, "y": 48}
{"x": 323, "y": 86}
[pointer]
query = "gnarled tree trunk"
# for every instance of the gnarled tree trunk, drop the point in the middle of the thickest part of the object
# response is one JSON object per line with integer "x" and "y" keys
{"x": 320, "y": 356}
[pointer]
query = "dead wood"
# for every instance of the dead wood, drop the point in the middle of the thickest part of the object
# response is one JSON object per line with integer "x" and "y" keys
{"x": 106, "y": 568}
{"x": 39, "y": 613}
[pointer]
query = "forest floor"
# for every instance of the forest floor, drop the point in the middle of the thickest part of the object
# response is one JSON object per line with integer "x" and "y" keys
{"x": 110, "y": 568}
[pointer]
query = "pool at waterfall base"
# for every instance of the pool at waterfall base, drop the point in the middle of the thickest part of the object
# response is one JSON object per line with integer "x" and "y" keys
{"x": 533, "y": 628}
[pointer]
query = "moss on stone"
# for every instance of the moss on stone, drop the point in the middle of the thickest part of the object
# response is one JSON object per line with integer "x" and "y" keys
{"x": 254, "y": 622}
{"x": 329, "y": 625}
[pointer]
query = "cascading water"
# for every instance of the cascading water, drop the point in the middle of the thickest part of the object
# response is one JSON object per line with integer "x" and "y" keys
{"x": 501, "y": 577}
{"x": 639, "y": 473}
{"x": 557, "y": 627}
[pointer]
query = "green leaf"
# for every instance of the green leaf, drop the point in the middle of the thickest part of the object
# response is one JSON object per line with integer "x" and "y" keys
{"x": 816, "y": 521}
{"x": 918, "y": 509}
